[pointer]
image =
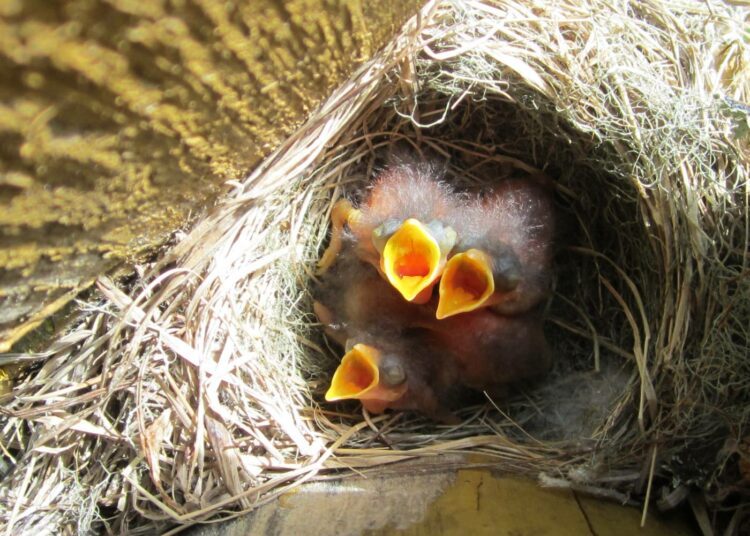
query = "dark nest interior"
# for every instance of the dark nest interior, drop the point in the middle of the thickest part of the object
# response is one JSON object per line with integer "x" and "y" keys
{"x": 195, "y": 392}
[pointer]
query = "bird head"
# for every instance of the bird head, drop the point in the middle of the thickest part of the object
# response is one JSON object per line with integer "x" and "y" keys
{"x": 467, "y": 283}
{"x": 478, "y": 278}
{"x": 369, "y": 375}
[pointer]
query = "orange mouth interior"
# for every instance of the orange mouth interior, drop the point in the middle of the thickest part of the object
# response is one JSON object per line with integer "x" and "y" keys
{"x": 466, "y": 285}
{"x": 412, "y": 259}
{"x": 412, "y": 265}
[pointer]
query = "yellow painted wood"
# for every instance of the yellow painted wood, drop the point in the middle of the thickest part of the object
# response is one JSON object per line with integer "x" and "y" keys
{"x": 119, "y": 118}
{"x": 424, "y": 499}
{"x": 480, "y": 503}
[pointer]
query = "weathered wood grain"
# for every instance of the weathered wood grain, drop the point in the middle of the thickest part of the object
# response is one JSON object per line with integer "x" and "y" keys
{"x": 120, "y": 118}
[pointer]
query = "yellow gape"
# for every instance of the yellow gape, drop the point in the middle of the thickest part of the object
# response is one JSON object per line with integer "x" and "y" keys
{"x": 467, "y": 283}
{"x": 412, "y": 259}
{"x": 358, "y": 376}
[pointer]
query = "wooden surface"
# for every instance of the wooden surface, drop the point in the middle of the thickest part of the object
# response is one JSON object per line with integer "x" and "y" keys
{"x": 120, "y": 118}
{"x": 468, "y": 501}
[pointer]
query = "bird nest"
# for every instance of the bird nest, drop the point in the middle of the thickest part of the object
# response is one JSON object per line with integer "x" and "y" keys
{"x": 195, "y": 391}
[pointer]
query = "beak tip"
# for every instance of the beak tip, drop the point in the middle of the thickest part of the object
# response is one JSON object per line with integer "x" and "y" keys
{"x": 401, "y": 290}
{"x": 407, "y": 291}
{"x": 442, "y": 315}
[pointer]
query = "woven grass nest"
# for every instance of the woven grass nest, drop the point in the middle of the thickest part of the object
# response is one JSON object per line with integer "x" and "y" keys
{"x": 195, "y": 392}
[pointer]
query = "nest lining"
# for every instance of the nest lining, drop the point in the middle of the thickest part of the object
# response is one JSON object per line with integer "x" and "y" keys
{"x": 197, "y": 392}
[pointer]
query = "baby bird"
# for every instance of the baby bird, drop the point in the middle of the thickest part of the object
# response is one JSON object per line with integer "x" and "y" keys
{"x": 388, "y": 363}
{"x": 395, "y": 370}
{"x": 504, "y": 251}
{"x": 402, "y": 228}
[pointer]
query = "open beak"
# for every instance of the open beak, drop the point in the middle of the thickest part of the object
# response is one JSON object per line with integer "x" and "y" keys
{"x": 467, "y": 283}
{"x": 412, "y": 260}
{"x": 358, "y": 376}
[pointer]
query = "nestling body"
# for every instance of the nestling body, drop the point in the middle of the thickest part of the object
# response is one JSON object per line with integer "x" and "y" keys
{"x": 495, "y": 350}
